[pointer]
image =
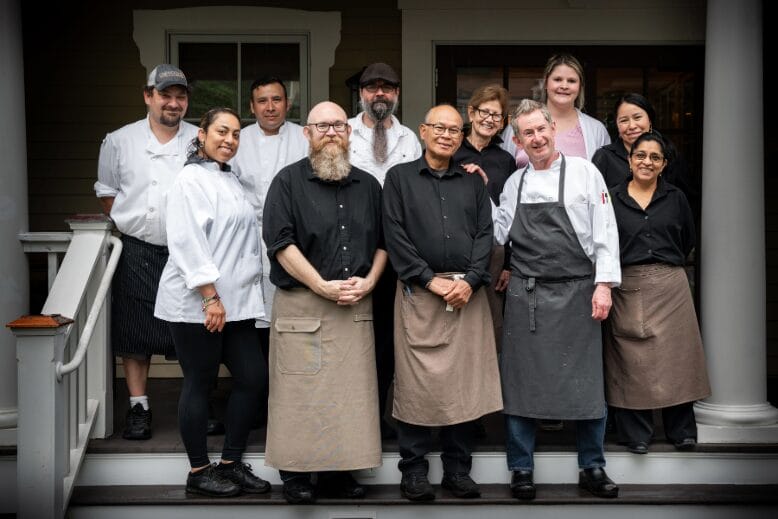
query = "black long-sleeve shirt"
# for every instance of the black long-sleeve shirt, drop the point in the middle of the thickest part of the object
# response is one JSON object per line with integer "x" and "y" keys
{"x": 336, "y": 225}
{"x": 662, "y": 233}
{"x": 437, "y": 223}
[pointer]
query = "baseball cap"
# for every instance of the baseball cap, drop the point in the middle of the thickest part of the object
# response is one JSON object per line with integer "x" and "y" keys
{"x": 377, "y": 71}
{"x": 166, "y": 75}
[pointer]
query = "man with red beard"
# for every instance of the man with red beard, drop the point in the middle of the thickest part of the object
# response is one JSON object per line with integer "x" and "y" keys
{"x": 322, "y": 228}
{"x": 137, "y": 165}
{"x": 379, "y": 142}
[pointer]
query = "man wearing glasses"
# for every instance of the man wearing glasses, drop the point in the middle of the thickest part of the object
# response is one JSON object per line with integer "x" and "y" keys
{"x": 437, "y": 221}
{"x": 378, "y": 142}
{"x": 322, "y": 228}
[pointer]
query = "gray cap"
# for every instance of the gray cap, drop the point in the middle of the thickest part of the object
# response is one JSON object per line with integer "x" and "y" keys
{"x": 166, "y": 75}
{"x": 378, "y": 71}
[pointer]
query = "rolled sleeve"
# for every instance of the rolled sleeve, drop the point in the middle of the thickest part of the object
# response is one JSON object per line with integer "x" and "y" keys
{"x": 278, "y": 226}
{"x": 108, "y": 183}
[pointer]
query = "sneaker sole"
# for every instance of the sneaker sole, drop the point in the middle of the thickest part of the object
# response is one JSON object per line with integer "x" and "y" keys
{"x": 212, "y": 494}
{"x": 607, "y": 495}
{"x": 463, "y": 495}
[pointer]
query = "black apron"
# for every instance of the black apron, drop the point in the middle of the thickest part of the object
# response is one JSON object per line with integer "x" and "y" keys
{"x": 551, "y": 359}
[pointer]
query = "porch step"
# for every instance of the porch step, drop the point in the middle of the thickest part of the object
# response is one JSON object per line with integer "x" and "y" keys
{"x": 385, "y": 501}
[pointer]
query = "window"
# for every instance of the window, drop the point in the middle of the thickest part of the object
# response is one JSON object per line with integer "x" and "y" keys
{"x": 222, "y": 68}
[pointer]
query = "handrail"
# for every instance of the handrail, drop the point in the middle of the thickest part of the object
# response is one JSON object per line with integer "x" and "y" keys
{"x": 97, "y": 306}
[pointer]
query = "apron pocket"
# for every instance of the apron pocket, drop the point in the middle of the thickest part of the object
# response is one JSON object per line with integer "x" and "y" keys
{"x": 627, "y": 317}
{"x": 425, "y": 321}
{"x": 299, "y": 345}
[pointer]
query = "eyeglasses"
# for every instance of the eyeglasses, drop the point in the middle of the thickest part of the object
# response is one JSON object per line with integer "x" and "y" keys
{"x": 386, "y": 89}
{"x": 655, "y": 157}
{"x": 486, "y": 114}
{"x": 439, "y": 129}
{"x": 339, "y": 126}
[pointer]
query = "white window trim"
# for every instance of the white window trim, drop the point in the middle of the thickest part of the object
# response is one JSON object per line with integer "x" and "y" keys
{"x": 152, "y": 30}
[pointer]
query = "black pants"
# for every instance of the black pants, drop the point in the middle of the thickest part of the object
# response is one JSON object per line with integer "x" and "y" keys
{"x": 200, "y": 352}
{"x": 415, "y": 441}
{"x": 637, "y": 425}
{"x": 383, "y": 328}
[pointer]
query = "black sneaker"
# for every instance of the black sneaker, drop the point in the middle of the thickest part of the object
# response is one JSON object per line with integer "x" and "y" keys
{"x": 240, "y": 474}
{"x": 416, "y": 487}
{"x": 210, "y": 482}
{"x": 339, "y": 485}
{"x": 461, "y": 485}
{"x": 299, "y": 491}
{"x": 138, "y": 423}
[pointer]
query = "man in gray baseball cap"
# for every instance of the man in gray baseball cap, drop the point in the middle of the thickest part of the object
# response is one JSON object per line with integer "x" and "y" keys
{"x": 166, "y": 75}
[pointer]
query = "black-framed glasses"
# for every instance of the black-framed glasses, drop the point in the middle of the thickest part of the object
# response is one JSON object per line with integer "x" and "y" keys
{"x": 654, "y": 157}
{"x": 386, "y": 89}
{"x": 338, "y": 126}
{"x": 486, "y": 114}
{"x": 439, "y": 129}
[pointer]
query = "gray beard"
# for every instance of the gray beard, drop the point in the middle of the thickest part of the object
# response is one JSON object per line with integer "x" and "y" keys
{"x": 379, "y": 109}
{"x": 330, "y": 164}
{"x": 379, "y": 143}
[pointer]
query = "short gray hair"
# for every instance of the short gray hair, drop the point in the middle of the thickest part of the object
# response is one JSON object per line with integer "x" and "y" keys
{"x": 527, "y": 106}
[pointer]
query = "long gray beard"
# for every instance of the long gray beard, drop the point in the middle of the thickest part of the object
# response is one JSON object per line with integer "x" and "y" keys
{"x": 330, "y": 164}
{"x": 379, "y": 143}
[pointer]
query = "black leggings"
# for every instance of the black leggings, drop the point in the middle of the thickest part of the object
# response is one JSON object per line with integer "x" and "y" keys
{"x": 200, "y": 352}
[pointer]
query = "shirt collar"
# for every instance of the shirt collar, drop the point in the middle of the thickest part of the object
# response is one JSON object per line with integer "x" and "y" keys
{"x": 310, "y": 175}
{"x": 157, "y": 148}
{"x": 282, "y": 130}
{"x": 453, "y": 169}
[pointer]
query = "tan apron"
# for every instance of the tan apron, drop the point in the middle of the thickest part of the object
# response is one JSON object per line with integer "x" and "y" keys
{"x": 445, "y": 362}
{"x": 653, "y": 350}
{"x": 323, "y": 402}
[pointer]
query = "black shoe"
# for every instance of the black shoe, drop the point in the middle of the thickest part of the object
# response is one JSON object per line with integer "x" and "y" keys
{"x": 551, "y": 425}
{"x": 340, "y": 485}
{"x": 138, "y": 424}
{"x": 686, "y": 444}
{"x": 299, "y": 491}
{"x": 209, "y": 482}
{"x": 215, "y": 428}
{"x": 637, "y": 447}
{"x": 522, "y": 485}
{"x": 416, "y": 487}
{"x": 597, "y": 482}
{"x": 461, "y": 485}
{"x": 240, "y": 474}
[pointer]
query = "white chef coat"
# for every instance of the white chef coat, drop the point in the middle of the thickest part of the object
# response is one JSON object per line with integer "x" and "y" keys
{"x": 258, "y": 160}
{"x": 137, "y": 171}
{"x": 212, "y": 238}
{"x": 594, "y": 133}
{"x": 401, "y": 146}
{"x": 587, "y": 204}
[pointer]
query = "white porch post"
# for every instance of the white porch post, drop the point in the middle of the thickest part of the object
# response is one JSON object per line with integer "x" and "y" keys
{"x": 733, "y": 272}
{"x": 14, "y": 285}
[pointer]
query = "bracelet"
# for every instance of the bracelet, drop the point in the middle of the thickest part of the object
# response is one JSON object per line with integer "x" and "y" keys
{"x": 208, "y": 301}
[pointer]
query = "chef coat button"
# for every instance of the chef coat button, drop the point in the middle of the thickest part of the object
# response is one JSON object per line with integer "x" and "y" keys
{"x": 151, "y": 209}
{"x": 153, "y": 182}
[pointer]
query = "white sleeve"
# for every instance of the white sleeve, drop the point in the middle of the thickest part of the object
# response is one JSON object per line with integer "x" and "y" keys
{"x": 108, "y": 180}
{"x": 605, "y": 235}
{"x": 190, "y": 214}
{"x": 502, "y": 216}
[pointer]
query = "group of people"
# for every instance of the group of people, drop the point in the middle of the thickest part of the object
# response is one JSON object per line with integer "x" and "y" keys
{"x": 326, "y": 263}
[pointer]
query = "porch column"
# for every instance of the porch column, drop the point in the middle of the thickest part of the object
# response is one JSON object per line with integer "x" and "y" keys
{"x": 733, "y": 272}
{"x": 14, "y": 284}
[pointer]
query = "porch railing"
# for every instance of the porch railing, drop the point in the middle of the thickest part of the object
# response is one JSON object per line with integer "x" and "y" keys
{"x": 64, "y": 366}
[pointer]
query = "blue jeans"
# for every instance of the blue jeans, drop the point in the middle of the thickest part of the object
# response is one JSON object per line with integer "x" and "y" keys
{"x": 520, "y": 440}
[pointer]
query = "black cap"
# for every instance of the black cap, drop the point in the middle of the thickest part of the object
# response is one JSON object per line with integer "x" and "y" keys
{"x": 166, "y": 75}
{"x": 378, "y": 71}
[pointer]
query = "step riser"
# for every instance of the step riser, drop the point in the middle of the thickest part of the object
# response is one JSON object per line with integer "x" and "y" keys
{"x": 610, "y": 511}
{"x": 553, "y": 468}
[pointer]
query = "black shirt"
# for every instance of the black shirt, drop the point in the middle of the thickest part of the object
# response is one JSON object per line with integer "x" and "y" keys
{"x": 336, "y": 225}
{"x": 662, "y": 233}
{"x": 497, "y": 163}
{"x": 437, "y": 224}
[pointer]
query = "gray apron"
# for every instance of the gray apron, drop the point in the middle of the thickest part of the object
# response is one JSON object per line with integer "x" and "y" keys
{"x": 551, "y": 359}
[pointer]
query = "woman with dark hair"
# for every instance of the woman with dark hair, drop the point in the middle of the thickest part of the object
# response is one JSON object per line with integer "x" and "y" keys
{"x": 481, "y": 153}
{"x": 653, "y": 351}
{"x": 634, "y": 117}
{"x": 210, "y": 296}
{"x": 577, "y": 134}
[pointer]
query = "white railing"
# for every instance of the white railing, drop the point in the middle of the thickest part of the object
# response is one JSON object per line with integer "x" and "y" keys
{"x": 65, "y": 369}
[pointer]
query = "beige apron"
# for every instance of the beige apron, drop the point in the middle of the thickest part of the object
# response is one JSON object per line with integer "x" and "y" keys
{"x": 323, "y": 402}
{"x": 653, "y": 350}
{"x": 445, "y": 362}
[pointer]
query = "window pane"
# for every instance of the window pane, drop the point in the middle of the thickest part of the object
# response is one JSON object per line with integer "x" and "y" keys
{"x": 212, "y": 71}
{"x": 613, "y": 83}
{"x": 524, "y": 83}
{"x": 470, "y": 78}
{"x": 271, "y": 59}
